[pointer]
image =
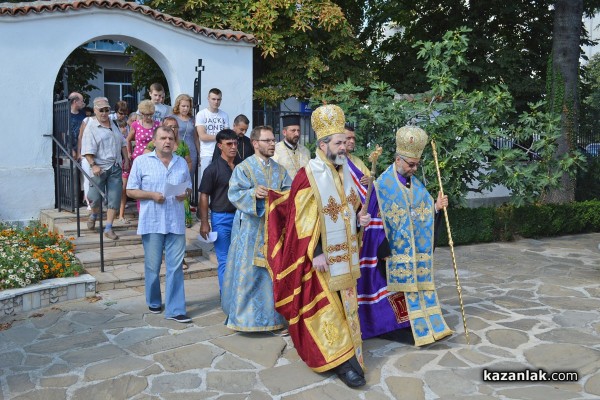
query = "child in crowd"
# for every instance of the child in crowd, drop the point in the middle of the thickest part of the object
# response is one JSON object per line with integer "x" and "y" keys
{"x": 157, "y": 96}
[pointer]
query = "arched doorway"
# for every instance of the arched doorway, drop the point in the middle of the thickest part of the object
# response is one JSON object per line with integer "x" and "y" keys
{"x": 38, "y": 37}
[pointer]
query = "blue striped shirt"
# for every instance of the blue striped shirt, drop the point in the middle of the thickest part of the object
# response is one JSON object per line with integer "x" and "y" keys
{"x": 148, "y": 173}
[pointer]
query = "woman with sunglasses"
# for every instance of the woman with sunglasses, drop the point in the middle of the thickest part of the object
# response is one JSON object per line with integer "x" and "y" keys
{"x": 121, "y": 112}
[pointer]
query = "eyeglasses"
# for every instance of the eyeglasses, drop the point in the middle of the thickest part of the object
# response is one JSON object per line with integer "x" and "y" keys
{"x": 148, "y": 115}
{"x": 410, "y": 165}
{"x": 104, "y": 110}
{"x": 172, "y": 127}
{"x": 121, "y": 113}
{"x": 266, "y": 140}
{"x": 229, "y": 144}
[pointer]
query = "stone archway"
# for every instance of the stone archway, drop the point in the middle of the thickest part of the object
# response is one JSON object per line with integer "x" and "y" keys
{"x": 38, "y": 37}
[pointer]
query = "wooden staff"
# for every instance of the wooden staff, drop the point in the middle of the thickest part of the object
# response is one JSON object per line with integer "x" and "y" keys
{"x": 373, "y": 158}
{"x": 451, "y": 243}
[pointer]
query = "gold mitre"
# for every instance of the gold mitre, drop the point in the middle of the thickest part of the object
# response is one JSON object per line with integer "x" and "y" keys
{"x": 410, "y": 141}
{"x": 328, "y": 120}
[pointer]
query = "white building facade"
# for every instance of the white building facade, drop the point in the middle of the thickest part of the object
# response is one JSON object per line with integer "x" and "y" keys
{"x": 36, "y": 40}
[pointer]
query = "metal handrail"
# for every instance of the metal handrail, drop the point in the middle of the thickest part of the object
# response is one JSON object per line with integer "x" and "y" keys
{"x": 76, "y": 164}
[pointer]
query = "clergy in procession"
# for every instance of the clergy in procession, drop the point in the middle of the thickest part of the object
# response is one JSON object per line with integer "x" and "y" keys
{"x": 290, "y": 152}
{"x": 312, "y": 250}
{"x": 396, "y": 290}
{"x": 351, "y": 147}
{"x": 247, "y": 293}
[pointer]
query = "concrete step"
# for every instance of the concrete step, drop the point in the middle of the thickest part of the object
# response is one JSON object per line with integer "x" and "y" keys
{"x": 123, "y": 255}
{"x": 124, "y": 258}
{"x": 69, "y": 229}
{"x": 132, "y": 275}
{"x": 91, "y": 240}
{"x": 53, "y": 218}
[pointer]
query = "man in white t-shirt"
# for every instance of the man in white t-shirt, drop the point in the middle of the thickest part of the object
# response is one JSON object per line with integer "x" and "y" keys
{"x": 209, "y": 122}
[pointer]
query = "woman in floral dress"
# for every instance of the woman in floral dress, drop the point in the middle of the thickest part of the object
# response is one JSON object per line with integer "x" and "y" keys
{"x": 141, "y": 132}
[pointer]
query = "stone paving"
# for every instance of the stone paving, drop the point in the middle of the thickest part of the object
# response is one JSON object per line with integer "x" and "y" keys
{"x": 530, "y": 304}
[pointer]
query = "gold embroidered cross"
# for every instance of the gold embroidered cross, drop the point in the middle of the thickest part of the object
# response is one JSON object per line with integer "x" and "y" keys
{"x": 332, "y": 209}
{"x": 353, "y": 199}
{"x": 395, "y": 213}
{"x": 422, "y": 211}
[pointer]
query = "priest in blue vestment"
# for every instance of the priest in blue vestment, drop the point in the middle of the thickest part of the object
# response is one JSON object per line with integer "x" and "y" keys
{"x": 247, "y": 294}
{"x": 396, "y": 289}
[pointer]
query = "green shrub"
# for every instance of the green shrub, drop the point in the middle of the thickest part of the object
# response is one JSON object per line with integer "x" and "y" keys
{"x": 486, "y": 224}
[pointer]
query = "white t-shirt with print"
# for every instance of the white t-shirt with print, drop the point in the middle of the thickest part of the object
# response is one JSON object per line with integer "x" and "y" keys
{"x": 213, "y": 123}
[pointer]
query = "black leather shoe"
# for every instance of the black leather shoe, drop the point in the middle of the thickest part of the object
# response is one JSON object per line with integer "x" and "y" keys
{"x": 351, "y": 378}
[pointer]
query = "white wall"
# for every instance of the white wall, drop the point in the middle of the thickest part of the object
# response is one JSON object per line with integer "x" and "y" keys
{"x": 33, "y": 47}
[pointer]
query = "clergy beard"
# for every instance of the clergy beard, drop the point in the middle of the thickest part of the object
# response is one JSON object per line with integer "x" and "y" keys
{"x": 339, "y": 160}
{"x": 336, "y": 159}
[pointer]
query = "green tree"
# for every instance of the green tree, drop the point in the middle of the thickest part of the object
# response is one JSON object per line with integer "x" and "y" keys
{"x": 146, "y": 72}
{"x": 509, "y": 42}
{"x": 471, "y": 128}
{"x": 81, "y": 68}
{"x": 590, "y": 94}
{"x": 304, "y": 48}
{"x": 564, "y": 83}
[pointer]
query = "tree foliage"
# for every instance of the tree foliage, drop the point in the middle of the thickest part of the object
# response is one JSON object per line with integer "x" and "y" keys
{"x": 304, "y": 48}
{"x": 81, "y": 69}
{"x": 509, "y": 42}
{"x": 478, "y": 146}
{"x": 146, "y": 72}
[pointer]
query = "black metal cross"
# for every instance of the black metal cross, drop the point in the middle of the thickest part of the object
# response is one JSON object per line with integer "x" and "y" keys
{"x": 198, "y": 86}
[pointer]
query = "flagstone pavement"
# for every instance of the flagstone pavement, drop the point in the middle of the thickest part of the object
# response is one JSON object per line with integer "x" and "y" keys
{"x": 530, "y": 304}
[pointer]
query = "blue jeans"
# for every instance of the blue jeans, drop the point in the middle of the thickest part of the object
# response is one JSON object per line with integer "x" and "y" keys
{"x": 174, "y": 247}
{"x": 222, "y": 223}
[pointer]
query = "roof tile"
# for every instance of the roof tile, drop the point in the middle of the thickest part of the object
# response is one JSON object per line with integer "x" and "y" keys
{"x": 38, "y": 7}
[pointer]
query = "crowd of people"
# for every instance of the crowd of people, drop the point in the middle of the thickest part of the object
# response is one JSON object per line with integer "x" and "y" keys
{"x": 298, "y": 251}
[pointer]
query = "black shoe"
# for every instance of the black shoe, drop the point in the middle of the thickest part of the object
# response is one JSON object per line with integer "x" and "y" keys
{"x": 352, "y": 379}
{"x": 181, "y": 318}
{"x": 155, "y": 310}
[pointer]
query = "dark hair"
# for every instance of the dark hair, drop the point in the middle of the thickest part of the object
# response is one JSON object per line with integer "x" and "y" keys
{"x": 164, "y": 128}
{"x": 215, "y": 91}
{"x": 226, "y": 134}
{"x": 241, "y": 119}
{"x": 157, "y": 87}
{"x": 350, "y": 127}
{"x": 255, "y": 135}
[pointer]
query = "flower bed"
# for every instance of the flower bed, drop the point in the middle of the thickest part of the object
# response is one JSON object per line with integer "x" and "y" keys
{"x": 31, "y": 254}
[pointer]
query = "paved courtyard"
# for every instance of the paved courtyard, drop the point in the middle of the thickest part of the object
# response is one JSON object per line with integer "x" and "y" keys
{"x": 530, "y": 304}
